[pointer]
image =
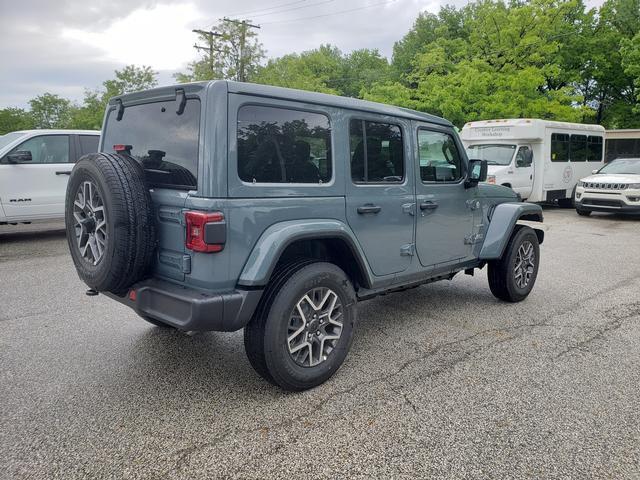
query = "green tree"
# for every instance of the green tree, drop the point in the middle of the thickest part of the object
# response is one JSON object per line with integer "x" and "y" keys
{"x": 315, "y": 70}
{"x": 326, "y": 70}
{"x": 51, "y": 111}
{"x": 631, "y": 63}
{"x": 130, "y": 79}
{"x": 12, "y": 119}
{"x": 615, "y": 89}
{"x": 234, "y": 54}
{"x": 488, "y": 60}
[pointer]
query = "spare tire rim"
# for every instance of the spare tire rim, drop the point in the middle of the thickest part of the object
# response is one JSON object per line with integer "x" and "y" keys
{"x": 90, "y": 222}
{"x": 525, "y": 264}
{"x": 315, "y": 326}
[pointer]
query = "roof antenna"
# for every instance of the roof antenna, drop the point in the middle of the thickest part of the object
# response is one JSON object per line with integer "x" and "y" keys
{"x": 120, "y": 109}
{"x": 182, "y": 98}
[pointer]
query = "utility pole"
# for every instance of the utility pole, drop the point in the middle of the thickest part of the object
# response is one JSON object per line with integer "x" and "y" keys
{"x": 209, "y": 35}
{"x": 241, "y": 75}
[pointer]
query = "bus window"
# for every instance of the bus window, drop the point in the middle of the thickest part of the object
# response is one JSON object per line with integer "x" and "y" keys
{"x": 594, "y": 149}
{"x": 559, "y": 147}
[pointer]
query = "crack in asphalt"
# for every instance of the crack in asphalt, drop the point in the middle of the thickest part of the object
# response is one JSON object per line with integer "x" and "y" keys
{"x": 619, "y": 314}
{"x": 463, "y": 355}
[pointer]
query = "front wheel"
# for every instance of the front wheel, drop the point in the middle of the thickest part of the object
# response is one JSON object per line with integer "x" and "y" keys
{"x": 302, "y": 330}
{"x": 512, "y": 277}
{"x": 582, "y": 212}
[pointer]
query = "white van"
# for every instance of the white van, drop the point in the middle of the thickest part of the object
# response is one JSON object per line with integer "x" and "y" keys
{"x": 34, "y": 168}
{"x": 541, "y": 160}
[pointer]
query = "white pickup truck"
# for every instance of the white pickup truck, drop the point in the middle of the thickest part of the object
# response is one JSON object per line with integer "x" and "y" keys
{"x": 34, "y": 170}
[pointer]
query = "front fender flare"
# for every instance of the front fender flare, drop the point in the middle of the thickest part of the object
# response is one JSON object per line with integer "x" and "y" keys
{"x": 503, "y": 220}
{"x": 275, "y": 239}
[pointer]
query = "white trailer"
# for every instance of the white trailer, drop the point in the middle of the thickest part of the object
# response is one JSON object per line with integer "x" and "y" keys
{"x": 541, "y": 160}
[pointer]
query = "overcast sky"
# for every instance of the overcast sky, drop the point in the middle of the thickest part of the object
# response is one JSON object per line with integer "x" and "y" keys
{"x": 65, "y": 46}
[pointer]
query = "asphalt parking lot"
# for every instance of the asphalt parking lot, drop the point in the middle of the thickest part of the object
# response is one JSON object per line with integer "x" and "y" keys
{"x": 442, "y": 380}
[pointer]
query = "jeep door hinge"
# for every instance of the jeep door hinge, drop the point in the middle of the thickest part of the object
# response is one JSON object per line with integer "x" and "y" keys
{"x": 409, "y": 208}
{"x": 473, "y": 239}
{"x": 473, "y": 204}
{"x": 408, "y": 249}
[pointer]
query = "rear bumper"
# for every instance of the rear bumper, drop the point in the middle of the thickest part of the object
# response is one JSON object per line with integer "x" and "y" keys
{"x": 191, "y": 309}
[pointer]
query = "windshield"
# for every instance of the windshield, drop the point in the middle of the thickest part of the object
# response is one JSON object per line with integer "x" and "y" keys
{"x": 8, "y": 138}
{"x": 493, "y": 154}
{"x": 622, "y": 166}
{"x": 165, "y": 143}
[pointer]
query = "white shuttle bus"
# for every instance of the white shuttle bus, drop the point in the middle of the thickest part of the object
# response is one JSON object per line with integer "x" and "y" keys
{"x": 540, "y": 160}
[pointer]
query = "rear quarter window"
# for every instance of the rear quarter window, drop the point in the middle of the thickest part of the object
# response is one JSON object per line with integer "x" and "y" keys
{"x": 280, "y": 145}
{"x": 165, "y": 143}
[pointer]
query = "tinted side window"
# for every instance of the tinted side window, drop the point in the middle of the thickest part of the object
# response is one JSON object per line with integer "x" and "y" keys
{"x": 559, "y": 147}
{"x": 377, "y": 152}
{"x": 165, "y": 143}
{"x": 578, "y": 152}
{"x": 439, "y": 157}
{"x": 594, "y": 149}
{"x": 523, "y": 157}
{"x": 88, "y": 144}
{"x": 45, "y": 149}
{"x": 279, "y": 145}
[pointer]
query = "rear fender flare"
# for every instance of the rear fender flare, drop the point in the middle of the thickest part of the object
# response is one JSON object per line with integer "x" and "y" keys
{"x": 275, "y": 239}
{"x": 503, "y": 220}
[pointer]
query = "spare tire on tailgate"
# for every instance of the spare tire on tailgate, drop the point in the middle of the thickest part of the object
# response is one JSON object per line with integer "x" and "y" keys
{"x": 110, "y": 222}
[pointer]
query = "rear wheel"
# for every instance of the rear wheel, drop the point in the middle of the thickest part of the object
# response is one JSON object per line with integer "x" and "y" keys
{"x": 512, "y": 277}
{"x": 303, "y": 328}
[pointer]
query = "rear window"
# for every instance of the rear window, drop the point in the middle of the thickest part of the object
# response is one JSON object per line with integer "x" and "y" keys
{"x": 88, "y": 144}
{"x": 165, "y": 143}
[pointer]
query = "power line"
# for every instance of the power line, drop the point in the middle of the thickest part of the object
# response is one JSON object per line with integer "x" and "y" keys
{"x": 292, "y": 9}
{"x": 330, "y": 14}
{"x": 251, "y": 12}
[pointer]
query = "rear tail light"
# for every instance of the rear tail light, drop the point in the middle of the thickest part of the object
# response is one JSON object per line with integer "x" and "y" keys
{"x": 206, "y": 231}
{"x": 122, "y": 148}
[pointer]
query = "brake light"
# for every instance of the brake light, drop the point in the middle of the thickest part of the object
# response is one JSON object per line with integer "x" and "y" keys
{"x": 206, "y": 231}
{"x": 122, "y": 148}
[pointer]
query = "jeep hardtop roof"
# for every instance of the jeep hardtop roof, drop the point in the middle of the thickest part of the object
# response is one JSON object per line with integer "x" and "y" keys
{"x": 269, "y": 91}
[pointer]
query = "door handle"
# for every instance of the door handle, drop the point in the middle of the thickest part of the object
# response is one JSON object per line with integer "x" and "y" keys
{"x": 66, "y": 172}
{"x": 369, "y": 209}
{"x": 428, "y": 206}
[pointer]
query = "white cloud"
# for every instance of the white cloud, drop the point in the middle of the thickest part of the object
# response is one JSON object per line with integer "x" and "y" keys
{"x": 159, "y": 37}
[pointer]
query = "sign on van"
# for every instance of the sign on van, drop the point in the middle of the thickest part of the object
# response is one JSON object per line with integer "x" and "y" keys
{"x": 491, "y": 131}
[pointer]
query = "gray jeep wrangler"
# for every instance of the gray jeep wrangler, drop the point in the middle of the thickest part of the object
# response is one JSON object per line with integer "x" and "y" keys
{"x": 222, "y": 205}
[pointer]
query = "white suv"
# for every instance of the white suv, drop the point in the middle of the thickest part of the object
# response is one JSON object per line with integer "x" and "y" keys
{"x": 34, "y": 168}
{"x": 613, "y": 188}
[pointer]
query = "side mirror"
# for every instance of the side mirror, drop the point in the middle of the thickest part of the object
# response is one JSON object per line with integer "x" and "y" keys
{"x": 19, "y": 156}
{"x": 477, "y": 173}
{"x": 593, "y": 172}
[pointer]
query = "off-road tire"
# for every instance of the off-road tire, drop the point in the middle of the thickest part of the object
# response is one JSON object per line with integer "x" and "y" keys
{"x": 266, "y": 334}
{"x": 583, "y": 212}
{"x": 131, "y": 229}
{"x": 501, "y": 272}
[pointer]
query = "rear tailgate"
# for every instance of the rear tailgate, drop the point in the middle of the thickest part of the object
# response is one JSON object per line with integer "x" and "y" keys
{"x": 173, "y": 259}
